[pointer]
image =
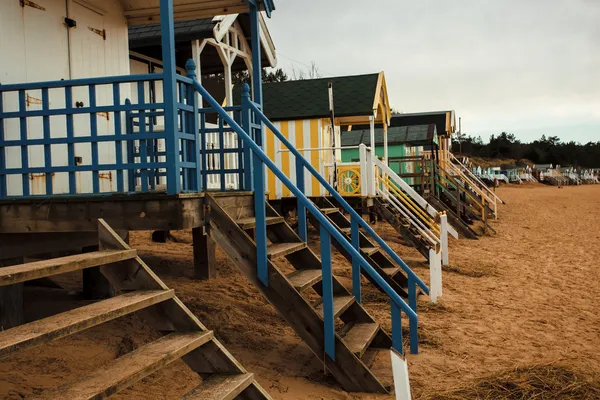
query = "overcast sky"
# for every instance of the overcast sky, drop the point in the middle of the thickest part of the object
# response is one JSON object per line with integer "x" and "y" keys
{"x": 529, "y": 67}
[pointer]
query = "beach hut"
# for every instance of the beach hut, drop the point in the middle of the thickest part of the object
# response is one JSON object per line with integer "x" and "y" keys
{"x": 405, "y": 145}
{"x": 301, "y": 111}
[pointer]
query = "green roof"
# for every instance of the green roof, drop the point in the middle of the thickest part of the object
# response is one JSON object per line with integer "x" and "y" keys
{"x": 415, "y": 135}
{"x": 309, "y": 98}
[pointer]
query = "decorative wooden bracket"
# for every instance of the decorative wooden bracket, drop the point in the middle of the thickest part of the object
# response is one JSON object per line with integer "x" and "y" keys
{"x": 31, "y": 4}
{"x": 98, "y": 32}
{"x": 32, "y": 100}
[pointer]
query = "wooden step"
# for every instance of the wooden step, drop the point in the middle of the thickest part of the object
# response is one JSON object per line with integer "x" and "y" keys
{"x": 360, "y": 336}
{"x": 369, "y": 250}
{"x": 132, "y": 367}
{"x": 391, "y": 271}
{"x": 55, "y": 266}
{"x": 329, "y": 210}
{"x": 248, "y": 223}
{"x": 70, "y": 322}
{"x": 347, "y": 231}
{"x": 340, "y": 304}
{"x": 304, "y": 278}
{"x": 220, "y": 387}
{"x": 275, "y": 250}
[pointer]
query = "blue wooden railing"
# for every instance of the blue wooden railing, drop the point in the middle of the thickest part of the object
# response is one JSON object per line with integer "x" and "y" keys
{"x": 51, "y": 142}
{"x": 256, "y": 160}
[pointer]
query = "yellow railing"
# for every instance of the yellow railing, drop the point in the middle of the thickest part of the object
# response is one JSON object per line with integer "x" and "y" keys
{"x": 425, "y": 218}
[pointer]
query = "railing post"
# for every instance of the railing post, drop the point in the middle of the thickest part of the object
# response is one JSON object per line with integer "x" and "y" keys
{"x": 397, "y": 329}
{"x": 435, "y": 273}
{"x": 130, "y": 146}
{"x": 170, "y": 96}
{"x": 246, "y": 125}
{"x": 260, "y": 206}
{"x": 302, "y": 228}
{"x": 355, "y": 237}
{"x": 412, "y": 293}
{"x": 3, "y": 179}
{"x": 365, "y": 172}
{"x": 192, "y": 127}
{"x": 327, "y": 281}
{"x": 444, "y": 238}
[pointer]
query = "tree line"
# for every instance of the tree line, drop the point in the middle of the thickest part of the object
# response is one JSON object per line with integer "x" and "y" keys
{"x": 546, "y": 150}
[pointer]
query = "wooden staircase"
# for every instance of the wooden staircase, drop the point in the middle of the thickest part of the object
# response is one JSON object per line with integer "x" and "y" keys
{"x": 461, "y": 226}
{"x": 393, "y": 275}
{"x": 402, "y": 225}
{"x": 139, "y": 290}
{"x": 296, "y": 288}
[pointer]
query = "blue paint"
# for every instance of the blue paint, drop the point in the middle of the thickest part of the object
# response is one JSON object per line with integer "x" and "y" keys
{"x": 47, "y": 148}
{"x": 412, "y": 293}
{"x": 118, "y": 134}
{"x": 194, "y": 146}
{"x": 258, "y": 184}
{"x": 302, "y": 225}
{"x": 24, "y": 149}
{"x": 70, "y": 136}
{"x": 94, "y": 136}
{"x": 170, "y": 94}
{"x": 355, "y": 237}
{"x": 3, "y": 180}
{"x": 397, "y": 329}
{"x": 327, "y": 284}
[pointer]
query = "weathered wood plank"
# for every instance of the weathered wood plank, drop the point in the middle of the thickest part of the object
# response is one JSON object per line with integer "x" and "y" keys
{"x": 126, "y": 370}
{"x": 77, "y": 215}
{"x": 73, "y": 321}
{"x": 250, "y": 222}
{"x": 171, "y": 315}
{"x": 302, "y": 279}
{"x": 220, "y": 387}
{"x": 275, "y": 250}
{"x": 41, "y": 269}
{"x": 359, "y": 337}
{"x": 340, "y": 304}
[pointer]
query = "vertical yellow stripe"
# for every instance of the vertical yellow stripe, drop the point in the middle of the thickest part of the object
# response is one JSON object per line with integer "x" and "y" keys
{"x": 271, "y": 187}
{"x": 314, "y": 155}
{"x": 285, "y": 158}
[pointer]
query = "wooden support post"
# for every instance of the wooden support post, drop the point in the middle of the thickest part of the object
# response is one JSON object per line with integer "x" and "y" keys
{"x": 95, "y": 285}
{"x": 11, "y": 300}
{"x": 205, "y": 257}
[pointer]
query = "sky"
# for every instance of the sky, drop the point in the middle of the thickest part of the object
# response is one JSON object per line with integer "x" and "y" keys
{"x": 527, "y": 67}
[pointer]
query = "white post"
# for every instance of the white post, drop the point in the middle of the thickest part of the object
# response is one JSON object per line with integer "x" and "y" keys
{"x": 444, "y": 238}
{"x": 365, "y": 173}
{"x": 385, "y": 145}
{"x": 372, "y": 133}
{"x": 196, "y": 52}
{"x": 435, "y": 272}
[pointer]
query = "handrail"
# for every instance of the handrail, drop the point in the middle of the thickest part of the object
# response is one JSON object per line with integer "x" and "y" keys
{"x": 431, "y": 237}
{"x": 398, "y": 302}
{"x": 105, "y": 80}
{"x": 475, "y": 188}
{"x": 480, "y": 183}
{"x": 425, "y": 218}
{"x": 340, "y": 199}
{"x": 405, "y": 187}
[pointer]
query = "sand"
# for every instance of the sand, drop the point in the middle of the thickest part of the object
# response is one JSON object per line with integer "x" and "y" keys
{"x": 524, "y": 296}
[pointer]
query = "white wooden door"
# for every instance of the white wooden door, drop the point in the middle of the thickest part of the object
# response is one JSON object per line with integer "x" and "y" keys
{"x": 88, "y": 60}
{"x": 36, "y": 38}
